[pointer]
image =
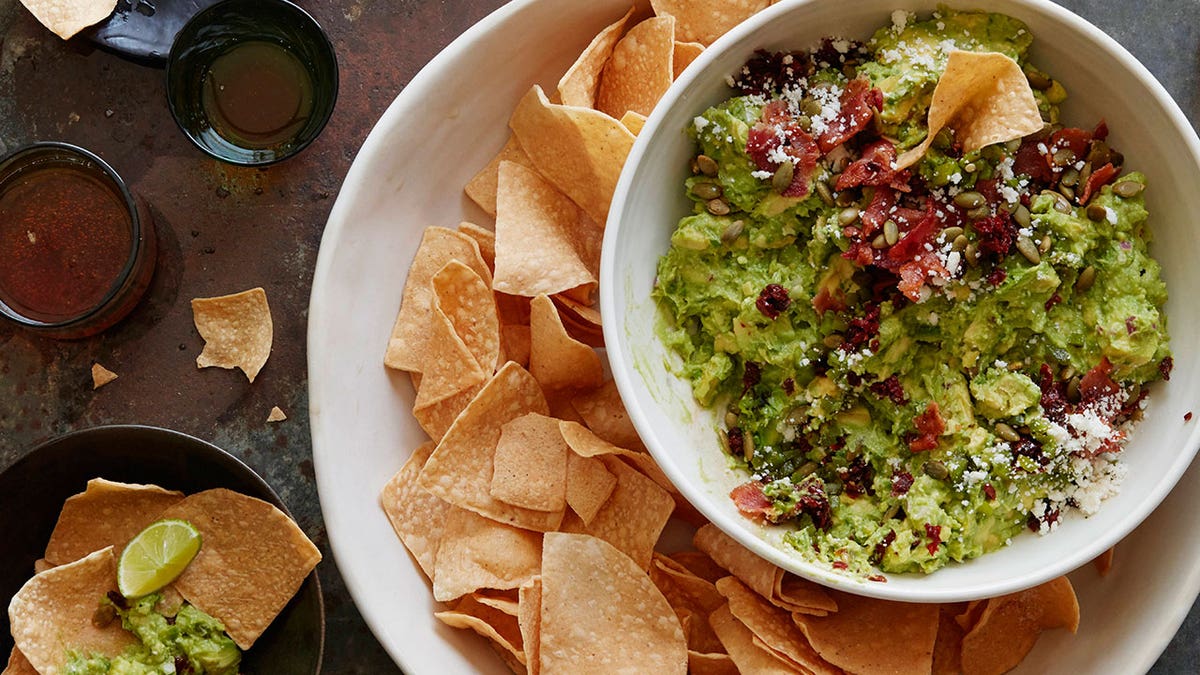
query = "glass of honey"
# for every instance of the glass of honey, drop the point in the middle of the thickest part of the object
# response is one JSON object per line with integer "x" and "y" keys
{"x": 77, "y": 249}
{"x": 252, "y": 82}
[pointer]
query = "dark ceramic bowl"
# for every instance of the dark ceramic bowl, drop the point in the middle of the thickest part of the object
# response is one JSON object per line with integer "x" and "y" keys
{"x": 32, "y": 492}
{"x": 128, "y": 287}
{"x": 216, "y": 33}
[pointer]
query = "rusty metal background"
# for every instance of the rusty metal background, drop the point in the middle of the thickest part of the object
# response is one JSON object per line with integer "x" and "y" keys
{"x": 223, "y": 229}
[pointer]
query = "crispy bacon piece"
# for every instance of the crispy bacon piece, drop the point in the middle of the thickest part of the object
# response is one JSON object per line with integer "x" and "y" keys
{"x": 826, "y": 301}
{"x": 875, "y": 168}
{"x": 751, "y": 501}
{"x": 1099, "y": 178}
{"x": 1097, "y": 383}
{"x": 929, "y": 425}
{"x": 914, "y": 274}
{"x": 1101, "y": 131}
{"x": 913, "y": 242}
{"x": 1032, "y": 162}
{"x": 878, "y": 211}
{"x": 777, "y": 132}
{"x": 810, "y": 497}
{"x": 859, "y": 101}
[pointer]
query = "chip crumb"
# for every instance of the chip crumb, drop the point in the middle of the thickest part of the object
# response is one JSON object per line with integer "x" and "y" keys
{"x": 101, "y": 376}
{"x": 276, "y": 415}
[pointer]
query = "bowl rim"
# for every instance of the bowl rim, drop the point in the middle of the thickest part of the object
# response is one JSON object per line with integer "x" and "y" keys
{"x": 629, "y": 383}
{"x": 271, "y": 496}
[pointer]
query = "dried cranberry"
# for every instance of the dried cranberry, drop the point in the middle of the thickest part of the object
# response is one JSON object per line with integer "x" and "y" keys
{"x": 857, "y": 478}
{"x": 902, "y": 481}
{"x": 1027, "y": 447}
{"x": 989, "y": 492}
{"x": 1164, "y": 368}
{"x": 997, "y": 276}
{"x": 882, "y": 547}
{"x": 891, "y": 389}
{"x": 934, "y": 532}
{"x": 768, "y": 73}
{"x": 1054, "y": 300}
{"x": 789, "y": 386}
{"x": 930, "y": 426}
{"x": 737, "y": 441}
{"x": 861, "y": 329}
{"x": 997, "y": 235}
{"x": 751, "y": 375}
{"x": 1054, "y": 395}
{"x": 773, "y": 301}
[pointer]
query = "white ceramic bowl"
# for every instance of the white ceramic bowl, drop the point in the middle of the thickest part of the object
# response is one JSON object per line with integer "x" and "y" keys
{"x": 1105, "y": 82}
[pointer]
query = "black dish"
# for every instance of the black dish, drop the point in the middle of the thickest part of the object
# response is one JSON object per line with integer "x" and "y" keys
{"x": 143, "y": 30}
{"x": 32, "y": 492}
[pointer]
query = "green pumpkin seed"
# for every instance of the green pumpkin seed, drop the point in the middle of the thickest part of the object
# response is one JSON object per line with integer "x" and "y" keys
{"x": 1073, "y": 393}
{"x": 731, "y": 418}
{"x": 782, "y": 179}
{"x": 847, "y": 216}
{"x": 718, "y": 207}
{"x": 1070, "y": 178}
{"x": 833, "y": 340}
{"x": 970, "y": 200}
{"x": 748, "y": 447}
{"x": 960, "y": 243}
{"x": 971, "y": 253}
{"x": 936, "y": 470}
{"x": 1096, "y": 212}
{"x": 806, "y": 469}
{"x": 1063, "y": 157}
{"x": 891, "y": 233}
{"x": 1028, "y": 249}
{"x": 733, "y": 231}
{"x": 1038, "y": 81}
{"x": 706, "y": 190}
{"x": 1128, "y": 189}
{"x": 1086, "y": 278}
{"x": 880, "y": 241}
{"x": 824, "y": 193}
{"x": 1067, "y": 191}
{"x": 1045, "y": 244}
{"x": 1006, "y": 432}
{"x": 952, "y": 233}
{"x": 979, "y": 213}
{"x": 1021, "y": 215}
{"x": 707, "y": 165}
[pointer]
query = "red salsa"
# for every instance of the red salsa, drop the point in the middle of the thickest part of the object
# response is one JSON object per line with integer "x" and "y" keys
{"x": 65, "y": 239}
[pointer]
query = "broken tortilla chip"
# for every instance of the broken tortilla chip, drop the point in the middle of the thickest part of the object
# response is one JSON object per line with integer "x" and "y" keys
{"x": 499, "y": 627}
{"x": 52, "y": 613}
{"x": 105, "y": 514}
{"x": 65, "y": 18}
{"x": 237, "y": 331}
{"x": 477, "y": 552}
{"x": 704, "y": 21}
{"x": 452, "y": 368}
{"x": 985, "y": 98}
{"x": 866, "y": 635}
{"x": 634, "y": 515}
{"x": 228, "y": 579}
{"x": 701, "y": 663}
{"x": 101, "y": 376}
{"x": 772, "y": 626}
{"x": 529, "y": 209}
{"x": 589, "y": 485}
{"x": 578, "y": 150}
{"x": 764, "y": 578}
{"x": 529, "y": 618}
{"x": 408, "y": 346}
{"x": 557, "y": 360}
{"x": 640, "y": 70}
{"x": 605, "y": 415}
{"x": 276, "y": 415}
{"x": 578, "y": 86}
{"x": 1010, "y": 625}
{"x": 598, "y": 606}
{"x": 633, "y": 121}
{"x": 460, "y": 469}
{"x": 415, "y": 515}
{"x": 436, "y": 418}
{"x": 530, "y": 464}
{"x": 485, "y": 238}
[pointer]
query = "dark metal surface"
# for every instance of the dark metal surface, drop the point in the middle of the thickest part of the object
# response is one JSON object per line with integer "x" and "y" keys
{"x": 225, "y": 229}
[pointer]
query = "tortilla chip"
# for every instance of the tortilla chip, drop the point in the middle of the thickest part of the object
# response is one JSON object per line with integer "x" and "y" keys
{"x": 947, "y": 648}
{"x": 460, "y": 469}
{"x": 477, "y": 552}
{"x": 700, "y": 564}
{"x": 633, "y": 121}
{"x": 408, "y": 345}
{"x": 867, "y": 635}
{"x": 497, "y": 626}
{"x": 52, "y": 613}
{"x": 41, "y": 565}
{"x": 415, "y": 515}
{"x": 452, "y": 367}
{"x": 105, "y": 514}
{"x": 589, "y": 485}
{"x": 506, "y": 601}
{"x": 538, "y": 241}
{"x": 704, "y": 21}
{"x": 1010, "y": 625}
{"x": 600, "y": 611}
{"x": 485, "y": 238}
{"x": 101, "y": 376}
{"x": 687, "y": 589}
{"x": 467, "y": 300}
{"x": 640, "y": 70}
{"x": 65, "y": 18}
{"x": 605, "y": 415}
{"x": 700, "y": 663}
{"x": 985, "y": 98}
{"x": 772, "y": 626}
{"x": 1103, "y": 562}
{"x": 685, "y": 53}
{"x": 633, "y": 517}
{"x": 578, "y": 150}
{"x": 530, "y": 464}
{"x": 529, "y": 618}
{"x": 228, "y": 579}
{"x": 276, "y": 415}
{"x": 18, "y": 664}
{"x": 556, "y": 360}
{"x": 516, "y": 343}
{"x": 578, "y": 86}
{"x": 739, "y": 643}
{"x": 482, "y": 188}
{"x": 237, "y": 331}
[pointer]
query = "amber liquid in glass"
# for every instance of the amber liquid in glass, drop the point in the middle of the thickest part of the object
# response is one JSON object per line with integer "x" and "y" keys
{"x": 257, "y": 95}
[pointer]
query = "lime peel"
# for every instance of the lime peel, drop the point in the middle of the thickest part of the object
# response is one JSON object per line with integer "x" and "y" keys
{"x": 157, "y": 556}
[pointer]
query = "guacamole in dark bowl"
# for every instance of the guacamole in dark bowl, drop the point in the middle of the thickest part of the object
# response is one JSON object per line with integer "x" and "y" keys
{"x": 915, "y": 364}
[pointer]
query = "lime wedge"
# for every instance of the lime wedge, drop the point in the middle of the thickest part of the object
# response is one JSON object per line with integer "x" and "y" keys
{"x": 156, "y": 556}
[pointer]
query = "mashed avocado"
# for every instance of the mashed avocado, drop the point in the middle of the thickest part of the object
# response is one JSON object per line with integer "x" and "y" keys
{"x": 188, "y": 642}
{"x": 915, "y": 366}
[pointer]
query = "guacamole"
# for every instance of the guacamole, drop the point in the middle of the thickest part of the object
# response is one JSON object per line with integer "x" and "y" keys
{"x": 189, "y": 641}
{"x": 914, "y": 366}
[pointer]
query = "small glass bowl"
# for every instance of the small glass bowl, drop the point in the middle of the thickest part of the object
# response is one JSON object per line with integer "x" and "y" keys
{"x": 128, "y": 285}
{"x": 214, "y": 33}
